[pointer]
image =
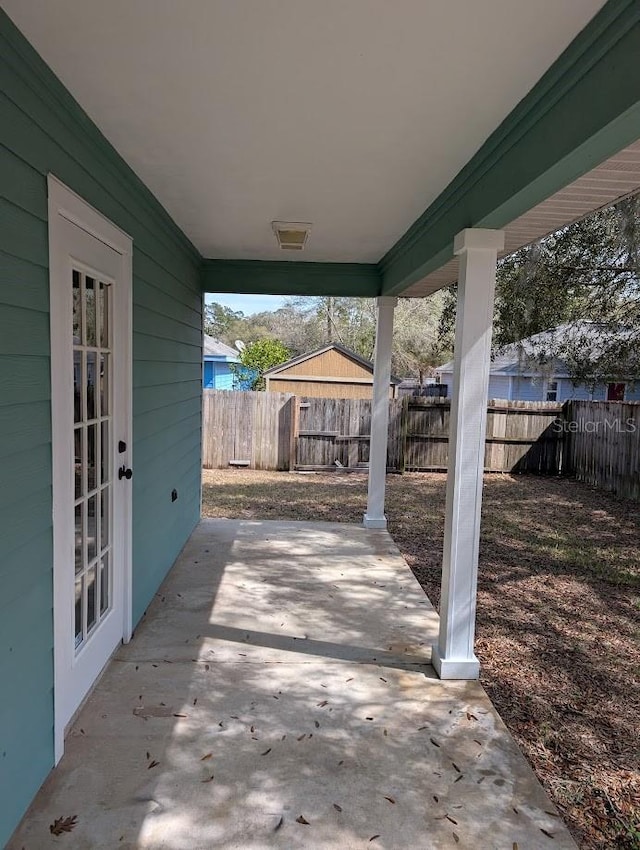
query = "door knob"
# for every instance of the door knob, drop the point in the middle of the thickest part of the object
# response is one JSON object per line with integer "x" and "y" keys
{"x": 125, "y": 472}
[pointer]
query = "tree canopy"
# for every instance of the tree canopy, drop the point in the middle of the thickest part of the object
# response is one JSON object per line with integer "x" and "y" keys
{"x": 585, "y": 276}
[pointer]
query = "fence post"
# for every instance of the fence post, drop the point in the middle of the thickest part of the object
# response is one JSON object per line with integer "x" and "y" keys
{"x": 294, "y": 420}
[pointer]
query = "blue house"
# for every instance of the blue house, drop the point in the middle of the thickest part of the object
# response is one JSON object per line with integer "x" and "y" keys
{"x": 144, "y": 150}
{"x": 524, "y": 371}
{"x": 217, "y": 357}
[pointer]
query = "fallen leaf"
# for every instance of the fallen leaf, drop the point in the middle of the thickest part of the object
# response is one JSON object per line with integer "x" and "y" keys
{"x": 153, "y": 763}
{"x": 61, "y": 825}
{"x": 206, "y": 756}
{"x": 301, "y": 819}
{"x": 337, "y": 807}
{"x": 471, "y": 716}
{"x": 266, "y": 752}
{"x": 390, "y": 799}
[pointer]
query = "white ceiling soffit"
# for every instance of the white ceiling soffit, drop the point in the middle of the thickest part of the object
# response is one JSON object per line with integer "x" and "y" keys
{"x": 613, "y": 179}
{"x": 350, "y": 114}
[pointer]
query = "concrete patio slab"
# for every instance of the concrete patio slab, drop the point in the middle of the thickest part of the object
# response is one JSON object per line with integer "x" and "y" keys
{"x": 278, "y": 694}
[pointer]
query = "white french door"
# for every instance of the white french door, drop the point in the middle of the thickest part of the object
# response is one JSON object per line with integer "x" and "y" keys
{"x": 90, "y": 308}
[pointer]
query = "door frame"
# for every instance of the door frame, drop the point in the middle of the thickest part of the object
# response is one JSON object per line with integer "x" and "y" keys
{"x": 64, "y": 206}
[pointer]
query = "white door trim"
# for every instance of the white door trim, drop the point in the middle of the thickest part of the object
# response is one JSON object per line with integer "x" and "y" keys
{"x": 64, "y": 207}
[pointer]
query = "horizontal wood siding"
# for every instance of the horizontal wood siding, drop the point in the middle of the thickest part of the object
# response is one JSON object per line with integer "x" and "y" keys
{"x": 323, "y": 389}
{"x": 43, "y": 130}
{"x": 332, "y": 364}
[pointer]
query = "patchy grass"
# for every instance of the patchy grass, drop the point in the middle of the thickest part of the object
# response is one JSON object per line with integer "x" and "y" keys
{"x": 558, "y": 624}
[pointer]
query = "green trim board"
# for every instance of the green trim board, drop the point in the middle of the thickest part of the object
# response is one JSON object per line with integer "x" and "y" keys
{"x": 583, "y": 110}
{"x": 284, "y": 277}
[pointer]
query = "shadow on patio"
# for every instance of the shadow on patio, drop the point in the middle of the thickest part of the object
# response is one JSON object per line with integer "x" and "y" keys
{"x": 278, "y": 693}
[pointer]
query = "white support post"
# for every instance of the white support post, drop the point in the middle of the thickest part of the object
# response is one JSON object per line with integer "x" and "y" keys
{"x": 453, "y": 657}
{"x": 374, "y": 517}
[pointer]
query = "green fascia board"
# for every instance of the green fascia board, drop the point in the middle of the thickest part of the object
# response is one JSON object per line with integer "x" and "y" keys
{"x": 25, "y": 61}
{"x": 584, "y": 109}
{"x": 284, "y": 277}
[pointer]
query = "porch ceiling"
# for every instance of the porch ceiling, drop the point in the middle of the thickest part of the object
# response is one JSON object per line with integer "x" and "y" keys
{"x": 353, "y": 115}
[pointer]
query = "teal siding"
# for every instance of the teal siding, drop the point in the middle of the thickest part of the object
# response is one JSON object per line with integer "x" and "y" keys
{"x": 43, "y": 130}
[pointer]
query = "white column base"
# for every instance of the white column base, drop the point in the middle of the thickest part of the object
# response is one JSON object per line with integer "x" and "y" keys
{"x": 374, "y": 522}
{"x": 455, "y": 668}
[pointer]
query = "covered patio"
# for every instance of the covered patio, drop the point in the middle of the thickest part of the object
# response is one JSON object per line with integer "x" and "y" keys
{"x": 278, "y": 693}
{"x": 149, "y": 149}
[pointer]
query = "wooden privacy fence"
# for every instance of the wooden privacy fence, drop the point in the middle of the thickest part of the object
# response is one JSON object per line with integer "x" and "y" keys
{"x": 603, "y": 445}
{"x": 247, "y": 429}
{"x": 282, "y": 431}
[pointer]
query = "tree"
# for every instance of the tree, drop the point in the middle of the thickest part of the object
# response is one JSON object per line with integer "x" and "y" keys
{"x": 586, "y": 275}
{"x": 417, "y": 345}
{"x": 219, "y": 321}
{"x": 256, "y": 358}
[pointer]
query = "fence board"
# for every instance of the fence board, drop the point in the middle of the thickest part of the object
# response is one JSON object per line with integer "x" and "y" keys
{"x": 603, "y": 445}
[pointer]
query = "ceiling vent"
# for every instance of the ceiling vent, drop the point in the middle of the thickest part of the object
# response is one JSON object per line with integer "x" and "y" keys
{"x": 291, "y": 235}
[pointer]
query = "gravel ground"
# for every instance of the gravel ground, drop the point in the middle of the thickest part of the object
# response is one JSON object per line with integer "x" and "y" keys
{"x": 558, "y": 616}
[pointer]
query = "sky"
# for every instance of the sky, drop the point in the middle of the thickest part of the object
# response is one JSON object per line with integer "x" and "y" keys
{"x": 249, "y": 304}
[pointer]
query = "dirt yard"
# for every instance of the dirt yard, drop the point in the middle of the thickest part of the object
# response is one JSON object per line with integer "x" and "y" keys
{"x": 558, "y": 616}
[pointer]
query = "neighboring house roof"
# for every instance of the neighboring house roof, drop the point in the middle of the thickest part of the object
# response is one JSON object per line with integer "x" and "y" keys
{"x": 214, "y": 348}
{"x": 524, "y": 358}
{"x": 334, "y": 346}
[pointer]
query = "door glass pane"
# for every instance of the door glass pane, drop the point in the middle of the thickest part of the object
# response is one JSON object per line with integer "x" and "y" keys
{"x": 91, "y": 598}
{"x": 105, "y": 366}
{"x": 79, "y": 523}
{"x": 104, "y": 519}
{"x": 78, "y": 441}
{"x": 104, "y": 584}
{"x": 90, "y": 310}
{"x": 92, "y": 459}
{"x": 91, "y": 384}
{"x": 92, "y": 529}
{"x": 77, "y": 309}
{"x": 103, "y": 312}
{"x": 78, "y": 380}
{"x": 104, "y": 451}
{"x": 78, "y": 612}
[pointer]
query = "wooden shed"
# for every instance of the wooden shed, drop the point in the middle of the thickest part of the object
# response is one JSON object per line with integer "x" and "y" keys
{"x": 333, "y": 371}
